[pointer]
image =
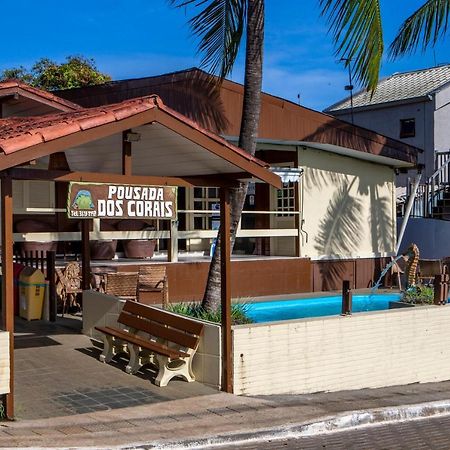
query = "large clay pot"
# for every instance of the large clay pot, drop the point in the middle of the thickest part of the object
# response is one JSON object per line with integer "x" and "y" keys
{"x": 104, "y": 249}
{"x": 137, "y": 248}
{"x": 36, "y": 226}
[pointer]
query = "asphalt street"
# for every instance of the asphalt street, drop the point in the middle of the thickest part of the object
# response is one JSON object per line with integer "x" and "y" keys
{"x": 433, "y": 434}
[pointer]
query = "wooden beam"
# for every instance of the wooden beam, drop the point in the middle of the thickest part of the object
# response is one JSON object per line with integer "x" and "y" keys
{"x": 126, "y": 154}
{"x": 101, "y": 177}
{"x": 225, "y": 288}
{"x": 8, "y": 282}
{"x": 85, "y": 255}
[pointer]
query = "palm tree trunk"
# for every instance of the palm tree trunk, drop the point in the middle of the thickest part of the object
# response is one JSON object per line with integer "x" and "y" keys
{"x": 247, "y": 136}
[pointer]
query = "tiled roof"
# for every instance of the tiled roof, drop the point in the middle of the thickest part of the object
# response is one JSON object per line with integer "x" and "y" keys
{"x": 19, "y": 133}
{"x": 12, "y": 86}
{"x": 400, "y": 86}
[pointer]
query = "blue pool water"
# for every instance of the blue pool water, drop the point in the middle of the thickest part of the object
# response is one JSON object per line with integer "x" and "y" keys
{"x": 316, "y": 307}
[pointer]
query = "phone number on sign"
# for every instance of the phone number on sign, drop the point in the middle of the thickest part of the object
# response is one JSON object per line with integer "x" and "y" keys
{"x": 83, "y": 213}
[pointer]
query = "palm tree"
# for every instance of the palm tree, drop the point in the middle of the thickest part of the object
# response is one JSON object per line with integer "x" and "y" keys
{"x": 220, "y": 25}
{"x": 358, "y": 33}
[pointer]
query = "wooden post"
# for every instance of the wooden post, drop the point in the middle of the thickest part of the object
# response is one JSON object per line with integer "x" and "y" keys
{"x": 51, "y": 257}
{"x": 85, "y": 255}
{"x": 346, "y": 298}
{"x": 172, "y": 250}
{"x": 8, "y": 282}
{"x": 225, "y": 286}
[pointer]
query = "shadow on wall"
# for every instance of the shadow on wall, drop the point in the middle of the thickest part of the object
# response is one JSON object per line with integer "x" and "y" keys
{"x": 339, "y": 234}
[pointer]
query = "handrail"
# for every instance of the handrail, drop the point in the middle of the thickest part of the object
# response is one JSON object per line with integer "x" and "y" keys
{"x": 439, "y": 169}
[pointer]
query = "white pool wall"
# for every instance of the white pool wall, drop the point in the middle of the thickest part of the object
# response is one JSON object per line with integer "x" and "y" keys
{"x": 367, "y": 350}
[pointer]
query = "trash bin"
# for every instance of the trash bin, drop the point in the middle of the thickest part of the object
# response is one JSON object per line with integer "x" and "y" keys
{"x": 31, "y": 293}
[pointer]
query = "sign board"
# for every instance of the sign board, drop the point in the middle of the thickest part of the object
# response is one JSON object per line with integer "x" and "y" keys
{"x": 121, "y": 201}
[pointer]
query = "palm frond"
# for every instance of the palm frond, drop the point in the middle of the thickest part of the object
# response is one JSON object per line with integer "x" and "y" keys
{"x": 423, "y": 28}
{"x": 219, "y": 25}
{"x": 358, "y": 36}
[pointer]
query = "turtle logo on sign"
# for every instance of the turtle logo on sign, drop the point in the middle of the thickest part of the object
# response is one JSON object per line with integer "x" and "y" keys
{"x": 83, "y": 200}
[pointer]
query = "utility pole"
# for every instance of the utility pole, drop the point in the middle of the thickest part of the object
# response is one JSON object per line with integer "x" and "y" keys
{"x": 349, "y": 86}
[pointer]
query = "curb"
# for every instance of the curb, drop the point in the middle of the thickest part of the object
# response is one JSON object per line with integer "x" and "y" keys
{"x": 341, "y": 422}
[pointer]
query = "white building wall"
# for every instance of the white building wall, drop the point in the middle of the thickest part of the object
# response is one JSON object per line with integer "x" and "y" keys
{"x": 369, "y": 350}
{"x": 442, "y": 120}
{"x": 348, "y": 207}
{"x": 4, "y": 362}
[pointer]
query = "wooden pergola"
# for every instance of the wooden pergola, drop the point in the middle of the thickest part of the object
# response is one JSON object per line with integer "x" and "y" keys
{"x": 137, "y": 142}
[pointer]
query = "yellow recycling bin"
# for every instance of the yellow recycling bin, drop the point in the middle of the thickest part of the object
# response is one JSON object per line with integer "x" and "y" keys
{"x": 31, "y": 293}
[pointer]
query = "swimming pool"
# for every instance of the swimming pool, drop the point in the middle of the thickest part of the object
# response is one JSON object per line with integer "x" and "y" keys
{"x": 271, "y": 311}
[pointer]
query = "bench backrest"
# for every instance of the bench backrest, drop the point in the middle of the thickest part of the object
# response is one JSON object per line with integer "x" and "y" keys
{"x": 161, "y": 324}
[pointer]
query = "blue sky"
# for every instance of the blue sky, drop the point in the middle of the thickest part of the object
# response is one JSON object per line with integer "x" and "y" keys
{"x": 136, "y": 38}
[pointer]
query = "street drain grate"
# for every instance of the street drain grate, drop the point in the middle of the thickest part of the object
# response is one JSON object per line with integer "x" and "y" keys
{"x": 89, "y": 400}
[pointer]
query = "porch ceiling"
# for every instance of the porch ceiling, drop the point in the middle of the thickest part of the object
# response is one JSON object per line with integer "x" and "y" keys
{"x": 159, "y": 152}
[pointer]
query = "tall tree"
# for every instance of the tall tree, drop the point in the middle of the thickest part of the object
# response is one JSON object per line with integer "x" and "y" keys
{"x": 220, "y": 25}
{"x": 76, "y": 71}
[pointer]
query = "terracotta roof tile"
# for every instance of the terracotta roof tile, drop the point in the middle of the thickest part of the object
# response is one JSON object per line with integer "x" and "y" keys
{"x": 18, "y": 133}
{"x": 13, "y": 86}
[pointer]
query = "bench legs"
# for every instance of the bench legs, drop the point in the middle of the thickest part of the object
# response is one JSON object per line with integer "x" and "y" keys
{"x": 137, "y": 360}
{"x": 110, "y": 349}
{"x": 169, "y": 369}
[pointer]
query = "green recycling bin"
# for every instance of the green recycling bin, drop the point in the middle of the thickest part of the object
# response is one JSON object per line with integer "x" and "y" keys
{"x": 31, "y": 293}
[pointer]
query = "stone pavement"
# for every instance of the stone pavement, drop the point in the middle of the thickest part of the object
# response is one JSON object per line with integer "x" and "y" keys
{"x": 57, "y": 373}
{"x": 207, "y": 415}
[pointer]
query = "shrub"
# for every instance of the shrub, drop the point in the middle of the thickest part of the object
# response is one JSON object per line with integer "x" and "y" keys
{"x": 238, "y": 312}
{"x": 419, "y": 294}
{"x": 2, "y": 410}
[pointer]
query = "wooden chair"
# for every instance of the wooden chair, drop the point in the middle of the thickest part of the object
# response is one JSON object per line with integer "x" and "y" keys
{"x": 68, "y": 286}
{"x": 122, "y": 284}
{"x": 428, "y": 269}
{"x": 154, "y": 279}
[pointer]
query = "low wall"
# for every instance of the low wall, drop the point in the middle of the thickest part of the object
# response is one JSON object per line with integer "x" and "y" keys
{"x": 367, "y": 350}
{"x": 103, "y": 310}
{"x": 4, "y": 362}
{"x": 249, "y": 278}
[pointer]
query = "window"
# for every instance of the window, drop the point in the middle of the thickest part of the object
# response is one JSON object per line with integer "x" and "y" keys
{"x": 285, "y": 199}
{"x": 205, "y": 199}
{"x": 407, "y": 128}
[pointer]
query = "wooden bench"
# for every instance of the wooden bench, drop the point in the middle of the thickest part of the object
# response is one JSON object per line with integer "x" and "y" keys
{"x": 151, "y": 335}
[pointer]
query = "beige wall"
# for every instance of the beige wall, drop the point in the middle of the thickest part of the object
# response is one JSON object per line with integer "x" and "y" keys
{"x": 348, "y": 206}
{"x": 103, "y": 310}
{"x": 367, "y": 350}
{"x": 4, "y": 362}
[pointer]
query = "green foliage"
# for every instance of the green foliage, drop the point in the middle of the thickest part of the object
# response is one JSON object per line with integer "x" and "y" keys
{"x": 419, "y": 294}
{"x": 238, "y": 312}
{"x": 76, "y": 71}
{"x": 2, "y": 410}
{"x": 358, "y": 35}
{"x": 219, "y": 25}
{"x": 423, "y": 28}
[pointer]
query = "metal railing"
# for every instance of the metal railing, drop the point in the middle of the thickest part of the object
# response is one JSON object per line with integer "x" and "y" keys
{"x": 429, "y": 193}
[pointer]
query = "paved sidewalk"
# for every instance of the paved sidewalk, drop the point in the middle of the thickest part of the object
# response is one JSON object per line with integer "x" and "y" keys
{"x": 207, "y": 415}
